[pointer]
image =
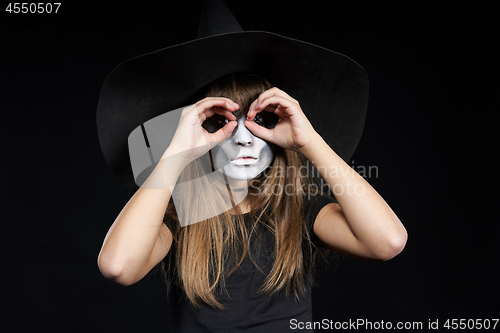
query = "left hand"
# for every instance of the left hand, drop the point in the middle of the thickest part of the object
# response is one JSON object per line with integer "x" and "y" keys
{"x": 293, "y": 130}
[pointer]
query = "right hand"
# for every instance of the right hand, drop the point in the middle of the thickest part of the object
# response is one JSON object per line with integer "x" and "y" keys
{"x": 191, "y": 140}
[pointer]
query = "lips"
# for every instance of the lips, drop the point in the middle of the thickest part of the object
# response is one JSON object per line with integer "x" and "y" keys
{"x": 245, "y": 158}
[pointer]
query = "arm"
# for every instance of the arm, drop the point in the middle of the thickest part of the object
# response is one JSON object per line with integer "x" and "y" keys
{"x": 138, "y": 239}
{"x": 361, "y": 225}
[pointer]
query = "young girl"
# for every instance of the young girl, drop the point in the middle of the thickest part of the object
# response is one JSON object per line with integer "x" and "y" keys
{"x": 248, "y": 266}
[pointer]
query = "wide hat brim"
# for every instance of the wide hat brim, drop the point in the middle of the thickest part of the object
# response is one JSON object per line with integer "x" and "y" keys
{"x": 331, "y": 88}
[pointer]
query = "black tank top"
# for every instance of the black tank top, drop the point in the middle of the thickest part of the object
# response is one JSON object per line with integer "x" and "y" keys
{"x": 246, "y": 310}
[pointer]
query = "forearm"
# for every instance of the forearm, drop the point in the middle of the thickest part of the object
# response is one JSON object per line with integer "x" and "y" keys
{"x": 129, "y": 244}
{"x": 370, "y": 218}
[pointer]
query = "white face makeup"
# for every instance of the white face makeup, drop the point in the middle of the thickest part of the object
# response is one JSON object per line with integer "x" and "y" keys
{"x": 243, "y": 156}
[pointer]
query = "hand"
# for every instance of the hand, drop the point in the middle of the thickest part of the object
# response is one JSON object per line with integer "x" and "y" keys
{"x": 191, "y": 140}
{"x": 293, "y": 130}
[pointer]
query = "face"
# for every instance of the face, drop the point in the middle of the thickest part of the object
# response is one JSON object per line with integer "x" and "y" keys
{"x": 243, "y": 155}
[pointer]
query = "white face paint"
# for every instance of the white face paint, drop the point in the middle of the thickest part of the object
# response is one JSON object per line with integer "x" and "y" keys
{"x": 243, "y": 155}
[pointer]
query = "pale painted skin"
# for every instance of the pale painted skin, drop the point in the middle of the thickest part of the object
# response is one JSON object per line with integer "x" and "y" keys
{"x": 243, "y": 143}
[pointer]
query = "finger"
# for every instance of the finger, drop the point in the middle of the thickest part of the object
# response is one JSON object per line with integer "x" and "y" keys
{"x": 225, "y": 103}
{"x": 274, "y": 91}
{"x": 287, "y": 107}
{"x": 251, "y": 115}
{"x": 210, "y": 112}
{"x": 274, "y": 108}
{"x": 251, "y": 108}
{"x": 258, "y": 104}
{"x": 287, "y": 96}
{"x": 216, "y": 98}
{"x": 259, "y": 131}
{"x": 211, "y": 105}
{"x": 223, "y": 112}
{"x": 223, "y": 133}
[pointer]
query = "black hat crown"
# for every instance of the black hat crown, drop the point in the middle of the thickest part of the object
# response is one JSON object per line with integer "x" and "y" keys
{"x": 216, "y": 19}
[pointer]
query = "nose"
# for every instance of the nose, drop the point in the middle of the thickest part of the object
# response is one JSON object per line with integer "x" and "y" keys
{"x": 242, "y": 136}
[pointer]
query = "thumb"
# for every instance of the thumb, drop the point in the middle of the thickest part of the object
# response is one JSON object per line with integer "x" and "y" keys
{"x": 261, "y": 132}
{"x": 223, "y": 133}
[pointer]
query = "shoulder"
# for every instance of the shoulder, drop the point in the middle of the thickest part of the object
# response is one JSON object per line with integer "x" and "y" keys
{"x": 313, "y": 204}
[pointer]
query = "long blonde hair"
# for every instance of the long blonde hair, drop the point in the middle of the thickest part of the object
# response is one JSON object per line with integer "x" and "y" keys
{"x": 200, "y": 254}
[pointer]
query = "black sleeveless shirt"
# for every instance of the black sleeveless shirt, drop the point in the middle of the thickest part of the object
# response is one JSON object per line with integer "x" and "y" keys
{"x": 246, "y": 310}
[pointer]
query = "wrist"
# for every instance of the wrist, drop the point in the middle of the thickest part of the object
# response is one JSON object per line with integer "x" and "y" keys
{"x": 174, "y": 160}
{"x": 313, "y": 145}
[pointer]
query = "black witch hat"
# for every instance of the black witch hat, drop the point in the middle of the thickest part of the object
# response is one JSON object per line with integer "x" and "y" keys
{"x": 331, "y": 88}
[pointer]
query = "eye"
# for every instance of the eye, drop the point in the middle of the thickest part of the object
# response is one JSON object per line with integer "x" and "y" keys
{"x": 266, "y": 119}
{"x": 258, "y": 118}
{"x": 222, "y": 121}
{"x": 213, "y": 124}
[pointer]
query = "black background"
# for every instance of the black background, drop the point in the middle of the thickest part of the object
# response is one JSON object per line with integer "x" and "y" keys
{"x": 429, "y": 131}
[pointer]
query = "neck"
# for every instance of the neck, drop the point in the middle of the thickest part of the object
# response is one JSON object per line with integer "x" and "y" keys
{"x": 244, "y": 206}
{"x": 239, "y": 189}
{"x": 237, "y": 183}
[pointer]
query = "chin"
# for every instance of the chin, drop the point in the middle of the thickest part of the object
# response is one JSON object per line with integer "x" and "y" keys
{"x": 241, "y": 172}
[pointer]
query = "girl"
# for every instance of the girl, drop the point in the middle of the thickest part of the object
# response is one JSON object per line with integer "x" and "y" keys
{"x": 247, "y": 267}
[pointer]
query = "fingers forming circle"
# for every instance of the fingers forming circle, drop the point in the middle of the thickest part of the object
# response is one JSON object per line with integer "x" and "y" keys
{"x": 209, "y": 106}
{"x": 274, "y": 91}
{"x": 279, "y": 105}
